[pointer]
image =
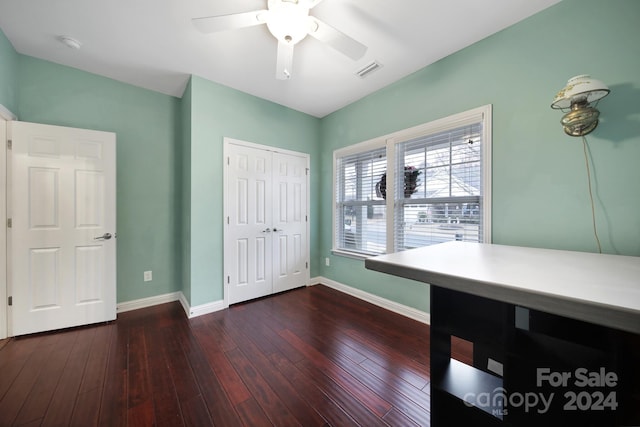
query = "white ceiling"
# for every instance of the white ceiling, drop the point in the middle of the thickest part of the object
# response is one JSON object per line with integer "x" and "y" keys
{"x": 153, "y": 44}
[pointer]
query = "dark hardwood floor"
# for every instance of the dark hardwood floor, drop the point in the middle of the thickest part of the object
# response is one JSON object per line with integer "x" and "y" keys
{"x": 308, "y": 357}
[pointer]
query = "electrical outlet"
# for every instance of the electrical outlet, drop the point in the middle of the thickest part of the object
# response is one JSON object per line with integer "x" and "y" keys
{"x": 327, "y": 262}
{"x": 148, "y": 276}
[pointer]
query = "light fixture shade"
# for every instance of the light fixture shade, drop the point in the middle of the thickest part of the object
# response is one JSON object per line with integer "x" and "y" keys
{"x": 288, "y": 22}
{"x": 581, "y": 89}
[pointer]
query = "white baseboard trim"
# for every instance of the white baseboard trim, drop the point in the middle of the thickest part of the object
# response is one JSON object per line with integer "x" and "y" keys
{"x": 147, "y": 302}
{"x": 191, "y": 312}
{"x": 202, "y": 309}
{"x": 211, "y": 307}
{"x": 185, "y": 304}
{"x": 402, "y": 309}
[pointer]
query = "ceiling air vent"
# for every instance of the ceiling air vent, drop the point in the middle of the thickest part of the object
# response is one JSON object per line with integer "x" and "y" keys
{"x": 369, "y": 68}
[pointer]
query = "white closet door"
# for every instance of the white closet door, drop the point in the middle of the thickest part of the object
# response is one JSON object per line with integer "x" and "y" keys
{"x": 248, "y": 255}
{"x": 289, "y": 222}
{"x": 266, "y": 247}
{"x": 63, "y": 211}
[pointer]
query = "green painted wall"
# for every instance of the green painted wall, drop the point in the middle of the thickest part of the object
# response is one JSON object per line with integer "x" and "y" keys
{"x": 218, "y": 111}
{"x": 8, "y": 75}
{"x": 147, "y": 129}
{"x": 540, "y": 194}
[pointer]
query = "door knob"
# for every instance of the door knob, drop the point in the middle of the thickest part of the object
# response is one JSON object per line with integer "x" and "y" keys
{"x": 105, "y": 236}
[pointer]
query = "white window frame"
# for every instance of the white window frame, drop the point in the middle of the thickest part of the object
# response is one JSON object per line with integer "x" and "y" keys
{"x": 481, "y": 114}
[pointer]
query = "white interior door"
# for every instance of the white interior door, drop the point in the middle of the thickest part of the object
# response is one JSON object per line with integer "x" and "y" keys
{"x": 266, "y": 244}
{"x": 62, "y": 237}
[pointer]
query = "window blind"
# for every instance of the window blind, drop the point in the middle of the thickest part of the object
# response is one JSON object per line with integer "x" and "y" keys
{"x": 438, "y": 188}
{"x": 360, "y": 205}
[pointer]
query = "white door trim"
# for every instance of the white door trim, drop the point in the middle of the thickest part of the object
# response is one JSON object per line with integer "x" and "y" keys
{"x": 5, "y": 116}
{"x": 226, "y": 199}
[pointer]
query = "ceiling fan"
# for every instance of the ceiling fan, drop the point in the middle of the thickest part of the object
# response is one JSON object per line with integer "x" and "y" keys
{"x": 289, "y": 22}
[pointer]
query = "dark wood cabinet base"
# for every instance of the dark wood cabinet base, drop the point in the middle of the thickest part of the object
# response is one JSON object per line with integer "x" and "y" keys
{"x": 529, "y": 368}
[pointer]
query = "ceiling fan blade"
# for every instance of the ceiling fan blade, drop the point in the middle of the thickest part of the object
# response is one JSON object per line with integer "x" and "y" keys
{"x": 213, "y": 24}
{"x": 337, "y": 40}
{"x": 309, "y": 4}
{"x": 284, "y": 61}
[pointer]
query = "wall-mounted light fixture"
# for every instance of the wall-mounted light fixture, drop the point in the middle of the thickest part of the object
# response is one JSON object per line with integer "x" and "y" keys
{"x": 580, "y": 96}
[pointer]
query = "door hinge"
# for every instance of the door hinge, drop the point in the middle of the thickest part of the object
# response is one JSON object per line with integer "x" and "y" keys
{"x": 306, "y": 265}
{"x": 228, "y": 161}
{"x": 228, "y": 279}
{"x": 9, "y": 222}
{"x": 306, "y": 218}
{"x": 9, "y": 144}
{"x": 10, "y": 301}
{"x": 227, "y": 220}
{"x": 306, "y": 172}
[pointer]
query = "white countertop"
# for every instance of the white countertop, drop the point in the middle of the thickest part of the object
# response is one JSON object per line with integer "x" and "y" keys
{"x": 597, "y": 288}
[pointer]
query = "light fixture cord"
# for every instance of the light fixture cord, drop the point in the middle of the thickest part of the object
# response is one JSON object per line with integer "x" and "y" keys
{"x": 593, "y": 209}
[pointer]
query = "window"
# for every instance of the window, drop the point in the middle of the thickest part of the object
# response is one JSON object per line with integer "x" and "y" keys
{"x": 434, "y": 178}
{"x": 361, "y": 226}
{"x": 441, "y": 195}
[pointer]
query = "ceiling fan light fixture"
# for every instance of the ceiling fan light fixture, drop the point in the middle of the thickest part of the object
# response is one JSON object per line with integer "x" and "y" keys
{"x": 288, "y": 22}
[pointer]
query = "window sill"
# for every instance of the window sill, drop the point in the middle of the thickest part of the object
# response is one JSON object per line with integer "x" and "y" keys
{"x": 352, "y": 255}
